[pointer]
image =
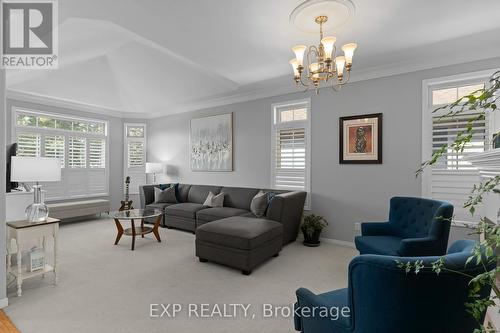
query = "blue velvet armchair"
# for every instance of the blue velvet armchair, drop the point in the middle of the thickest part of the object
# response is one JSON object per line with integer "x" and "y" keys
{"x": 416, "y": 227}
{"x": 382, "y": 298}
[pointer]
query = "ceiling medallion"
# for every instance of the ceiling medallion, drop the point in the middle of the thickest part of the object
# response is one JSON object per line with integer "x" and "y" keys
{"x": 322, "y": 67}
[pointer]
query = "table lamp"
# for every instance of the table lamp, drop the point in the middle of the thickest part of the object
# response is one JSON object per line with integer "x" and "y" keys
{"x": 36, "y": 169}
{"x": 154, "y": 168}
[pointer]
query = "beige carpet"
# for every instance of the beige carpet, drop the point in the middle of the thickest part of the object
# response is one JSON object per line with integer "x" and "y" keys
{"x": 107, "y": 288}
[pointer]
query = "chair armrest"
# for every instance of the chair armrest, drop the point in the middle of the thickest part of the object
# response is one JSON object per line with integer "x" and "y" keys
{"x": 308, "y": 318}
{"x": 146, "y": 195}
{"x": 419, "y": 247}
{"x": 287, "y": 208}
{"x": 377, "y": 229}
{"x": 297, "y": 322}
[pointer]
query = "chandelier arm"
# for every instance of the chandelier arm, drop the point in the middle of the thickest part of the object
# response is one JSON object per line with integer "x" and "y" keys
{"x": 312, "y": 50}
{"x": 338, "y": 86}
{"x": 302, "y": 82}
{"x": 348, "y": 77}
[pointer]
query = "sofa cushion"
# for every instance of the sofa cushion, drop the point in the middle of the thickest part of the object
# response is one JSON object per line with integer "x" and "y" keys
{"x": 159, "y": 205}
{"x": 386, "y": 245}
{"x": 198, "y": 193}
{"x": 218, "y": 213}
{"x": 238, "y": 232}
{"x": 238, "y": 197}
{"x": 185, "y": 209}
{"x": 182, "y": 192}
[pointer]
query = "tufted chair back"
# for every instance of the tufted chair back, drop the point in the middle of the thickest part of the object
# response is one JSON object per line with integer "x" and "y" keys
{"x": 418, "y": 217}
{"x": 383, "y": 298}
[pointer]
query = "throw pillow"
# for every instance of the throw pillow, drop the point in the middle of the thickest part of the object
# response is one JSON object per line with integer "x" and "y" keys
{"x": 218, "y": 200}
{"x": 270, "y": 196}
{"x": 213, "y": 200}
{"x": 165, "y": 196}
{"x": 177, "y": 193}
{"x": 259, "y": 204}
{"x": 208, "y": 200}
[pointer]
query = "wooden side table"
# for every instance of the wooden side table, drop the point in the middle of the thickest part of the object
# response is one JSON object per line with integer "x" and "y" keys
{"x": 21, "y": 231}
{"x": 137, "y": 214}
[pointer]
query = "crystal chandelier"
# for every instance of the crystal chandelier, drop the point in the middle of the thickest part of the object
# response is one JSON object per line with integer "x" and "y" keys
{"x": 322, "y": 66}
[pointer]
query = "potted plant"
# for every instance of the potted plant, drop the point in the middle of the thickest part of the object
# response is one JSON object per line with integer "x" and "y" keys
{"x": 311, "y": 228}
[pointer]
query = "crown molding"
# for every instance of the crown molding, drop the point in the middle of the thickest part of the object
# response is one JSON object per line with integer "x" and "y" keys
{"x": 275, "y": 87}
{"x": 285, "y": 85}
{"x": 69, "y": 104}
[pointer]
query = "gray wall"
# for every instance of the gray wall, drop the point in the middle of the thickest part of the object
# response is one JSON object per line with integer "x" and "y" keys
{"x": 344, "y": 194}
{"x": 3, "y": 283}
{"x": 115, "y": 151}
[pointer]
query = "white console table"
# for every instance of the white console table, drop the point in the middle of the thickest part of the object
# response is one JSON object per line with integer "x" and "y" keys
{"x": 21, "y": 231}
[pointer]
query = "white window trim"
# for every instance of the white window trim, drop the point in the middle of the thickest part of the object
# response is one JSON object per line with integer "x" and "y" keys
{"x": 427, "y": 86}
{"x": 126, "y": 140}
{"x": 26, "y": 129}
{"x": 275, "y": 125}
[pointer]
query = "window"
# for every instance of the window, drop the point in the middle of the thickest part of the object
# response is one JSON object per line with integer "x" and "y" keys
{"x": 450, "y": 95}
{"x": 452, "y": 177}
{"x": 79, "y": 143}
{"x": 291, "y": 141}
{"x": 135, "y": 155}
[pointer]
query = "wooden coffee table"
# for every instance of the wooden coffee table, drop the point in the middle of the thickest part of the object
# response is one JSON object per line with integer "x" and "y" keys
{"x": 137, "y": 214}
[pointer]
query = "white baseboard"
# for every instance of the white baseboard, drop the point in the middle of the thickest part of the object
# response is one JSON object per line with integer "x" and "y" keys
{"x": 4, "y": 302}
{"x": 338, "y": 242}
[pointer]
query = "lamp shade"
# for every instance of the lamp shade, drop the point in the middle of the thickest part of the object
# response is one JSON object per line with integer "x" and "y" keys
{"x": 35, "y": 169}
{"x": 154, "y": 167}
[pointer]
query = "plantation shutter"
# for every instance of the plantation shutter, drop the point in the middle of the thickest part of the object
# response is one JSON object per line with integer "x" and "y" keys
{"x": 77, "y": 152}
{"x": 452, "y": 176}
{"x": 97, "y": 153}
{"x": 54, "y": 147}
{"x": 135, "y": 154}
{"x": 28, "y": 145}
{"x": 290, "y": 169}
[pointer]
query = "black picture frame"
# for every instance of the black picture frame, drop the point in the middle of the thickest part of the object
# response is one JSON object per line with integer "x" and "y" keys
{"x": 378, "y": 159}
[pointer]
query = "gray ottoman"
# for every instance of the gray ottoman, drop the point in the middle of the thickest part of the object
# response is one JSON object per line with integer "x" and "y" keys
{"x": 239, "y": 242}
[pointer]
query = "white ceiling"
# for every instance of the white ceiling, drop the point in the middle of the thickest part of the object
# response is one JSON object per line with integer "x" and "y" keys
{"x": 149, "y": 58}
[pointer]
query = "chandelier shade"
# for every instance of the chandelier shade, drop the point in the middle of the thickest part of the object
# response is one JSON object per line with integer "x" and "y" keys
{"x": 299, "y": 53}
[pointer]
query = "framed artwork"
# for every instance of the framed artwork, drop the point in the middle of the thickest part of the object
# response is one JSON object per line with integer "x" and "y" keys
{"x": 361, "y": 139}
{"x": 211, "y": 143}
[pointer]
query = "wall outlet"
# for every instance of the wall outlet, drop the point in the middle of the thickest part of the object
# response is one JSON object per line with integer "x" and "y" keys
{"x": 357, "y": 226}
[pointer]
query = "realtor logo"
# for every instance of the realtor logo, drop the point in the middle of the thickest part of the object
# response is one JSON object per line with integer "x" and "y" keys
{"x": 29, "y": 38}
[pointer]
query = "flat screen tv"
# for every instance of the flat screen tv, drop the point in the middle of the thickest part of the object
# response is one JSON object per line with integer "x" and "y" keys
{"x": 11, "y": 151}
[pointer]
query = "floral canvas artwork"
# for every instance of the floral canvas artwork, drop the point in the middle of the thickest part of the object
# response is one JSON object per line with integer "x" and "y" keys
{"x": 211, "y": 144}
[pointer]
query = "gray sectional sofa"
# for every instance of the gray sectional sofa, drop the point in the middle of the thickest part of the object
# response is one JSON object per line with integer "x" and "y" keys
{"x": 231, "y": 235}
